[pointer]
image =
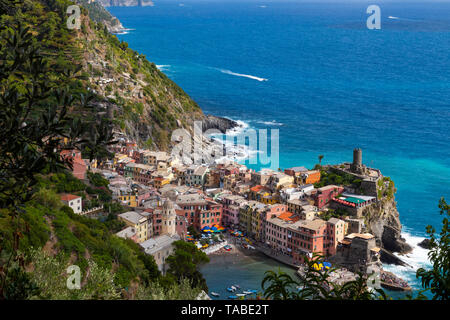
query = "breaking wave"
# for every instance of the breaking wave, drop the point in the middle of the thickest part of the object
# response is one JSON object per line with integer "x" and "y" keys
{"x": 418, "y": 258}
{"x": 163, "y": 67}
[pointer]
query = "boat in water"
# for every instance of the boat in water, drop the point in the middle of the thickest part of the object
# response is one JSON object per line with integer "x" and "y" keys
{"x": 215, "y": 294}
{"x": 240, "y": 294}
{"x": 231, "y": 289}
{"x": 232, "y": 297}
{"x": 236, "y": 286}
{"x": 249, "y": 291}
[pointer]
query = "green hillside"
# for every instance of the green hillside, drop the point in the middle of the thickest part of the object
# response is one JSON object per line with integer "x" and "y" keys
{"x": 49, "y": 94}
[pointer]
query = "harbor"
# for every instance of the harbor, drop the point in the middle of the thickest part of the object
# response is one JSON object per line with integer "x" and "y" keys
{"x": 239, "y": 267}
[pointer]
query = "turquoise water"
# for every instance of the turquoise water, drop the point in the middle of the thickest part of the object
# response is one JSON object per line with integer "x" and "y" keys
{"x": 227, "y": 269}
{"x": 331, "y": 84}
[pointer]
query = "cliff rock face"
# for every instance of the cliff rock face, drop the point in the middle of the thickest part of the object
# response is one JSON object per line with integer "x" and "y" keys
{"x": 382, "y": 220}
{"x": 99, "y": 14}
{"x": 219, "y": 123}
{"x": 126, "y": 3}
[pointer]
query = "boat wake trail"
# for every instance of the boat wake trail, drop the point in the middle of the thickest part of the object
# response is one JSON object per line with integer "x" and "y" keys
{"x": 241, "y": 75}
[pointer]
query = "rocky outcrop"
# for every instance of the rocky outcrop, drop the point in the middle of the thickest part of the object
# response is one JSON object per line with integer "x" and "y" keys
{"x": 424, "y": 244}
{"x": 219, "y": 123}
{"x": 393, "y": 241}
{"x": 390, "y": 258}
{"x": 382, "y": 220}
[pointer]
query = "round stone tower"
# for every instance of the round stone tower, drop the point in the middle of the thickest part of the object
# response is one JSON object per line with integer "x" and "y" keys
{"x": 357, "y": 166}
{"x": 357, "y": 157}
{"x": 168, "y": 218}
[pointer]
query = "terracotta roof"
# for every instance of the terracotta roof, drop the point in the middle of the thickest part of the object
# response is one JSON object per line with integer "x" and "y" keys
{"x": 286, "y": 216}
{"x": 258, "y": 188}
{"x": 69, "y": 197}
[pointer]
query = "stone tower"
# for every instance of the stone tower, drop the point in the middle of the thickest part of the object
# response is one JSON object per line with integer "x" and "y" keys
{"x": 168, "y": 218}
{"x": 357, "y": 166}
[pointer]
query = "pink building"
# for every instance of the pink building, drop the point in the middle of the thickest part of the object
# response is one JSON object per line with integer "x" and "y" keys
{"x": 335, "y": 232}
{"x": 276, "y": 231}
{"x": 305, "y": 238}
{"x": 231, "y": 205}
{"x": 181, "y": 225}
{"x": 78, "y": 164}
{"x": 325, "y": 194}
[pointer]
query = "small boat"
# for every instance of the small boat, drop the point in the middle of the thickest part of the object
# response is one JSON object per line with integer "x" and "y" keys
{"x": 232, "y": 297}
{"x": 231, "y": 290}
{"x": 240, "y": 294}
{"x": 215, "y": 294}
{"x": 236, "y": 286}
{"x": 250, "y": 291}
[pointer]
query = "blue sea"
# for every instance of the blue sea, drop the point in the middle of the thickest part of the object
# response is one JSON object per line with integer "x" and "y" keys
{"x": 315, "y": 72}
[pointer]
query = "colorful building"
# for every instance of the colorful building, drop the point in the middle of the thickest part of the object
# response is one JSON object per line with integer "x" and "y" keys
{"x": 78, "y": 165}
{"x": 138, "y": 222}
{"x": 73, "y": 201}
{"x": 199, "y": 210}
{"x": 325, "y": 194}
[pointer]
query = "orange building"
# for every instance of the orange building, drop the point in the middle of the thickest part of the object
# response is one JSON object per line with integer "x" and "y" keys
{"x": 312, "y": 176}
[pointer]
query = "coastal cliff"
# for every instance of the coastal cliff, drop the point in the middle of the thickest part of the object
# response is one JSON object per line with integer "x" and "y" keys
{"x": 142, "y": 101}
{"x": 382, "y": 219}
{"x": 99, "y": 14}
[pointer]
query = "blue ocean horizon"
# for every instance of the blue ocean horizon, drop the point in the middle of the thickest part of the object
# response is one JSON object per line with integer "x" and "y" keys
{"x": 327, "y": 83}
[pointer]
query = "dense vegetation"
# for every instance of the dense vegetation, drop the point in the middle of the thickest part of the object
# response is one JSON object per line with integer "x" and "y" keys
{"x": 46, "y": 106}
{"x": 328, "y": 177}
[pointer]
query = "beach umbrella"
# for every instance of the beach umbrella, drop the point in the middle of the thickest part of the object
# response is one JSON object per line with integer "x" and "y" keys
{"x": 206, "y": 229}
{"x": 318, "y": 266}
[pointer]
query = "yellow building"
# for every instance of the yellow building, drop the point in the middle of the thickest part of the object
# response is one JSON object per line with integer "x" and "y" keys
{"x": 129, "y": 199}
{"x": 138, "y": 222}
{"x": 119, "y": 156}
{"x": 158, "y": 182}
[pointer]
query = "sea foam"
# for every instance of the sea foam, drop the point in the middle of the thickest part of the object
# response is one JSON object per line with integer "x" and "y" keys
{"x": 418, "y": 258}
{"x": 162, "y": 67}
{"x": 271, "y": 123}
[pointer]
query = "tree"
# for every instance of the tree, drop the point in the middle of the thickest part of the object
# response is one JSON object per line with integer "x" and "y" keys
{"x": 36, "y": 116}
{"x": 193, "y": 232}
{"x": 184, "y": 263}
{"x": 437, "y": 279}
{"x": 320, "y": 159}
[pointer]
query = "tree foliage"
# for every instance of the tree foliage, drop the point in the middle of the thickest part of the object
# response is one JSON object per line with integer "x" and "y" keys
{"x": 437, "y": 279}
{"x": 184, "y": 263}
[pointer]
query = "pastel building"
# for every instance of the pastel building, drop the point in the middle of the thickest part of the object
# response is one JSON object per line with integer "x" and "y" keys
{"x": 325, "y": 194}
{"x": 199, "y": 210}
{"x": 78, "y": 165}
{"x": 138, "y": 222}
{"x": 305, "y": 238}
{"x": 73, "y": 201}
{"x": 231, "y": 206}
{"x": 276, "y": 232}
